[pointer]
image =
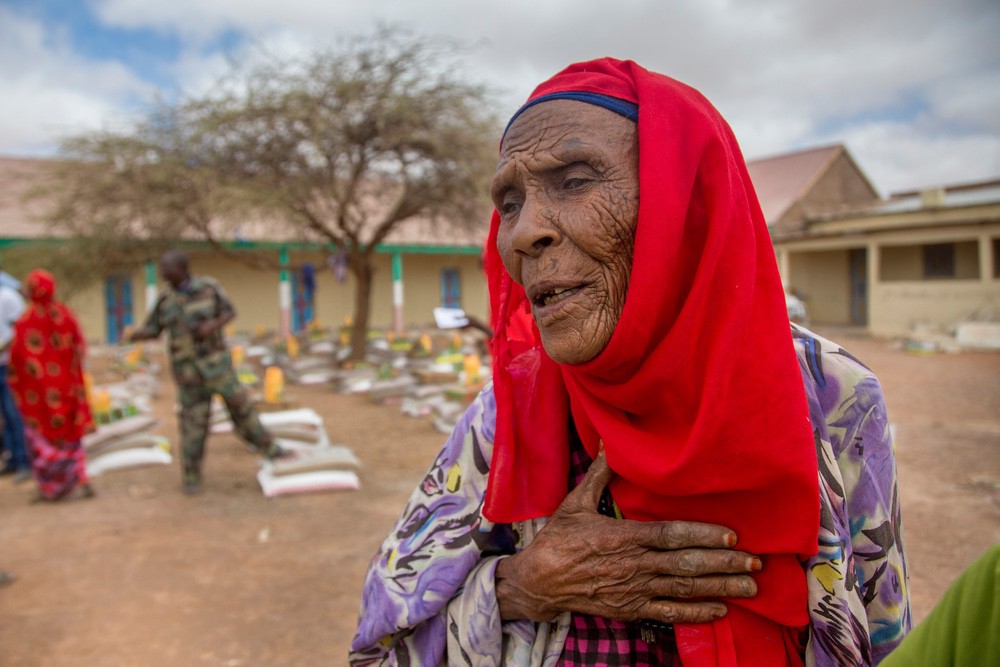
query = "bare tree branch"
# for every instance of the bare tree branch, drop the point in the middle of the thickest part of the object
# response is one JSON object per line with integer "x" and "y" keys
{"x": 339, "y": 147}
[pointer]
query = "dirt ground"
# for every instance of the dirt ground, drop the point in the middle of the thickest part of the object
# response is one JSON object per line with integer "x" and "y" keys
{"x": 142, "y": 576}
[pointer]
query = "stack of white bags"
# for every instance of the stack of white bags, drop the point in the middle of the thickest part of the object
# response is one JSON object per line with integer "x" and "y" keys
{"x": 315, "y": 465}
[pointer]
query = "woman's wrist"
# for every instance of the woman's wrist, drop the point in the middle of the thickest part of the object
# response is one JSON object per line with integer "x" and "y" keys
{"x": 514, "y": 600}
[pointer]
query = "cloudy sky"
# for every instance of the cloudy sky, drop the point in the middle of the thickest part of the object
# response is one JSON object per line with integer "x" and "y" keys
{"x": 912, "y": 87}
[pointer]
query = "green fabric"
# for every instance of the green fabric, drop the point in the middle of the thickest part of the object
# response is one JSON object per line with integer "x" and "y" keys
{"x": 964, "y": 628}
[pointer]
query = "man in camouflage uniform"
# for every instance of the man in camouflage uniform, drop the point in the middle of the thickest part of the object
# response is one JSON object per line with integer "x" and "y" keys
{"x": 194, "y": 311}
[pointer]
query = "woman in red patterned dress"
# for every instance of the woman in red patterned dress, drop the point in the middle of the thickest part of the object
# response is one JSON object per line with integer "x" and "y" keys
{"x": 46, "y": 376}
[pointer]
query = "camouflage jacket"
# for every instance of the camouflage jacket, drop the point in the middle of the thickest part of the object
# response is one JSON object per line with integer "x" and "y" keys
{"x": 180, "y": 311}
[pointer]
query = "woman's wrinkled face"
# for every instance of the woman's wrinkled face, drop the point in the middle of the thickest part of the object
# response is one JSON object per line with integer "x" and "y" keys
{"x": 567, "y": 190}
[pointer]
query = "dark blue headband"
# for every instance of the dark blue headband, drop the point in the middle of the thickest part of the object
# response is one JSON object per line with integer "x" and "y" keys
{"x": 621, "y": 107}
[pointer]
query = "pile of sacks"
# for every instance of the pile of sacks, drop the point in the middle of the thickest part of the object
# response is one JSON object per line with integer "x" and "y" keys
{"x": 438, "y": 375}
{"x": 315, "y": 465}
{"x": 125, "y": 436}
{"x": 427, "y": 372}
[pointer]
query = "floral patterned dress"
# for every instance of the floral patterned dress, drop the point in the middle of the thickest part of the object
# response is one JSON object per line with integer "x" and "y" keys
{"x": 429, "y": 594}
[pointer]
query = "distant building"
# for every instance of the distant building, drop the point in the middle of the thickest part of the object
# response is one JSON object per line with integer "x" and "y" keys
{"x": 917, "y": 258}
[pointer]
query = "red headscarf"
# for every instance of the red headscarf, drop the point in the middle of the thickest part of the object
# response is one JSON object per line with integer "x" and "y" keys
{"x": 698, "y": 396}
{"x": 46, "y": 359}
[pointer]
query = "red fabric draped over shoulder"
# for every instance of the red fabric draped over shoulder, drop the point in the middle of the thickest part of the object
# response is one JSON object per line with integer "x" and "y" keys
{"x": 698, "y": 396}
{"x": 46, "y": 363}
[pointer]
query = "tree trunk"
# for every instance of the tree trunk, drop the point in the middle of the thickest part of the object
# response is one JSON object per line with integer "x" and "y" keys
{"x": 364, "y": 272}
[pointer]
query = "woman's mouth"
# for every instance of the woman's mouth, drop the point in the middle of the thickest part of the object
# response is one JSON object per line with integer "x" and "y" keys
{"x": 554, "y": 296}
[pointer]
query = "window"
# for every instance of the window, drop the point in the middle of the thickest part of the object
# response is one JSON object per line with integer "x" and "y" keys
{"x": 451, "y": 289}
{"x": 939, "y": 260}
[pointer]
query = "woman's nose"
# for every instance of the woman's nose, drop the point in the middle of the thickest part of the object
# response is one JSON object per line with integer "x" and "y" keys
{"x": 535, "y": 229}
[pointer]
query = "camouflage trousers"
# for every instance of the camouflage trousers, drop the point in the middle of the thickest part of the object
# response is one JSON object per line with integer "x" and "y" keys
{"x": 196, "y": 407}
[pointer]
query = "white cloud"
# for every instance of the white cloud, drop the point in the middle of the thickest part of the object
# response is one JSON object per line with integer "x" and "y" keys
{"x": 897, "y": 158}
{"x": 971, "y": 101}
{"x": 911, "y": 85}
{"x": 49, "y": 92}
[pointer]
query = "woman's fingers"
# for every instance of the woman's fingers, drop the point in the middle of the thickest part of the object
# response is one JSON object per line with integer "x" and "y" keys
{"x": 720, "y": 586}
{"x": 682, "y": 535}
{"x": 588, "y": 492}
{"x": 674, "y": 611}
{"x": 699, "y": 562}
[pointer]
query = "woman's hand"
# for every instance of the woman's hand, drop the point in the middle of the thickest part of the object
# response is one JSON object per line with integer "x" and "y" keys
{"x": 582, "y": 561}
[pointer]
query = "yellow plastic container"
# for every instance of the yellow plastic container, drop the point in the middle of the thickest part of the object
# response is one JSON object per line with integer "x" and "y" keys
{"x": 472, "y": 369}
{"x": 292, "y": 345}
{"x": 274, "y": 385}
{"x": 102, "y": 401}
{"x": 133, "y": 356}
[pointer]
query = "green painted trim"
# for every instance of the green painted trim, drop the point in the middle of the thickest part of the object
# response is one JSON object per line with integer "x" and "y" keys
{"x": 397, "y": 266}
{"x": 150, "y": 273}
{"x": 283, "y": 260}
{"x": 11, "y": 242}
{"x": 296, "y": 246}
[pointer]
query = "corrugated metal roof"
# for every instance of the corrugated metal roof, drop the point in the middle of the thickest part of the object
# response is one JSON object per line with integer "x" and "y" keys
{"x": 985, "y": 193}
{"x": 931, "y": 199}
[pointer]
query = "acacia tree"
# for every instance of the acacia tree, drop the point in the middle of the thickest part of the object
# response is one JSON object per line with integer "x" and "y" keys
{"x": 122, "y": 198}
{"x": 340, "y": 147}
{"x": 347, "y": 146}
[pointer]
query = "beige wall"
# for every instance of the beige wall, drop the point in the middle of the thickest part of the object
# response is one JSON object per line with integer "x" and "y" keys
{"x": 822, "y": 278}
{"x": 422, "y": 286}
{"x": 89, "y": 307}
{"x": 967, "y": 260}
{"x": 255, "y": 292}
{"x": 900, "y": 298}
{"x": 907, "y": 262}
{"x": 901, "y": 263}
{"x": 898, "y": 306}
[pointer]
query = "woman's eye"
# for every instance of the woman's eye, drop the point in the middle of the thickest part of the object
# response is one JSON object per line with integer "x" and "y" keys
{"x": 510, "y": 203}
{"x": 574, "y": 183}
{"x": 509, "y": 207}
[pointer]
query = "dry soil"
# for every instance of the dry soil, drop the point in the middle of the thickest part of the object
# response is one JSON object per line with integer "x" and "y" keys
{"x": 143, "y": 576}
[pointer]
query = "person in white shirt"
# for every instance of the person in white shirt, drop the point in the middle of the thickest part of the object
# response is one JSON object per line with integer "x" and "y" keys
{"x": 17, "y": 462}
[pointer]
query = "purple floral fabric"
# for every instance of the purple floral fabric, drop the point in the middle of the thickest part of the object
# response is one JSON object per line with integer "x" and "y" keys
{"x": 429, "y": 596}
{"x": 859, "y": 599}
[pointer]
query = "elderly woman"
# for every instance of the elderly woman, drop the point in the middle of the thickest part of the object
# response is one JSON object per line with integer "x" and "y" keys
{"x": 651, "y": 408}
{"x": 46, "y": 363}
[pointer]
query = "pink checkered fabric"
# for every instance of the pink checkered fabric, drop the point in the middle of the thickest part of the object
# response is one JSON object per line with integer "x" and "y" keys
{"x": 593, "y": 640}
{"x": 598, "y": 641}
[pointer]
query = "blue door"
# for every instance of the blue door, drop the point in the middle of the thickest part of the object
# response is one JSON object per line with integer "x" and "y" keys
{"x": 118, "y": 305}
{"x": 303, "y": 289}
{"x": 451, "y": 289}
